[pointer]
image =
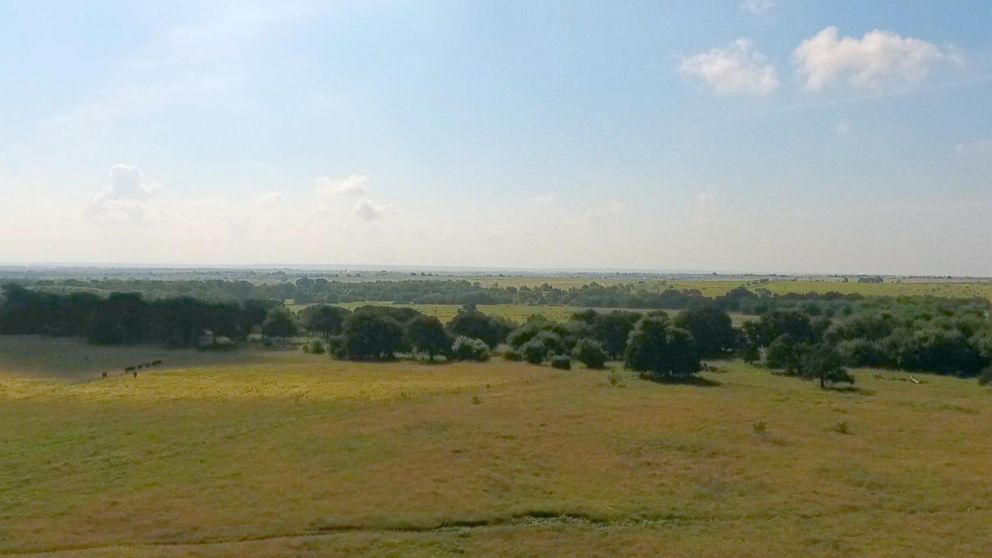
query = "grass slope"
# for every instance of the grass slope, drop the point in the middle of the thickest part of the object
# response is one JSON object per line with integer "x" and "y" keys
{"x": 286, "y": 454}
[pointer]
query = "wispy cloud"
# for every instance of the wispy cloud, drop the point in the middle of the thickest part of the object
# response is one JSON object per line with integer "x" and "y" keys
{"x": 758, "y": 7}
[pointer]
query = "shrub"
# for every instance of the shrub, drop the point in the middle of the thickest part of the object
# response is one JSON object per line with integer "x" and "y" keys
{"x": 470, "y": 348}
{"x": 316, "y": 348}
{"x": 590, "y": 353}
{"x": 533, "y": 353}
{"x": 561, "y": 362}
{"x": 512, "y": 355}
{"x": 985, "y": 378}
{"x": 543, "y": 344}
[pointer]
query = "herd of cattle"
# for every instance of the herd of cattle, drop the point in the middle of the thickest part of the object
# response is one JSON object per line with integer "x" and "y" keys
{"x": 134, "y": 369}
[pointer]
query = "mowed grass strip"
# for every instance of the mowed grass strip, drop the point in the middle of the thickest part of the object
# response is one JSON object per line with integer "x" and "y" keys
{"x": 303, "y": 455}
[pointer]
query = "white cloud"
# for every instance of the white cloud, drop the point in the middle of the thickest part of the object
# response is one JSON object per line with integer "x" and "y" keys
{"x": 974, "y": 149}
{"x": 544, "y": 199}
{"x": 736, "y": 69}
{"x": 598, "y": 214}
{"x": 124, "y": 201}
{"x": 706, "y": 207}
{"x": 758, "y": 6}
{"x": 353, "y": 184}
{"x": 270, "y": 199}
{"x": 878, "y": 59}
{"x": 366, "y": 210}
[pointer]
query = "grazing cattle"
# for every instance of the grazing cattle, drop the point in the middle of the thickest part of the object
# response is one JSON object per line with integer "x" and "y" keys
{"x": 104, "y": 374}
{"x": 135, "y": 374}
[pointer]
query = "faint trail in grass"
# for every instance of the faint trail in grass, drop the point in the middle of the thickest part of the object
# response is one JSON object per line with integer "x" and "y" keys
{"x": 535, "y": 518}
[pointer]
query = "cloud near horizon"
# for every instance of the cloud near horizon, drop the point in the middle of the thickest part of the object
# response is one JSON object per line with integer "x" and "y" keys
{"x": 124, "y": 200}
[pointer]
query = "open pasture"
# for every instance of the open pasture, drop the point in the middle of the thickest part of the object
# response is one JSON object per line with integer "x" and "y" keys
{"x": 285, "y": 454}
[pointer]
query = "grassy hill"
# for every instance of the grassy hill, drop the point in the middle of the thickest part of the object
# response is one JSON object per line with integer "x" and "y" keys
{"x": 285, "y": 454}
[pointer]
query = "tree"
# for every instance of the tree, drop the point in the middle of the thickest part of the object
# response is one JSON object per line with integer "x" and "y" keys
{"x": 472, "y": 323}
{"x": 822, "y": 362}
{"x": 371, "y": 335}
{"x": 612, "y": 330}
{"x": 427, "y": 335}
{"x": 711, "y": 329}
{"x": 590, "y": 353}
{"x": 774, "y": 324}
{"x": 324, "y": 319}
{"x": 750, "y": 353}
{"x": 658, "y": 348}
{"x": 280, "y": 324}
{"x": 786, "y": 354}
{"x": 123, "y": 318}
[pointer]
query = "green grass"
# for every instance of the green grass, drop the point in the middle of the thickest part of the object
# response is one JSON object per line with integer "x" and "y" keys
{"x": 285, "y": 454}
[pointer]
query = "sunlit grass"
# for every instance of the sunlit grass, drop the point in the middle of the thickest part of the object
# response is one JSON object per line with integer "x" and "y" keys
{"x": 289, "y": 454}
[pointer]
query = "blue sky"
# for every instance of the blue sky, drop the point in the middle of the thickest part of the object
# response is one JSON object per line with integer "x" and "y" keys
{"x": 758, "y": 135}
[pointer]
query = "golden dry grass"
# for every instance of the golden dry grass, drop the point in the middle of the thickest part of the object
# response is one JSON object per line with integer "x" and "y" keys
{"x": 298, "y": 455}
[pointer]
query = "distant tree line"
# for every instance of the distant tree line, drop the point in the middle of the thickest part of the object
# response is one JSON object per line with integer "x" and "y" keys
{"x": 415, "y": 291}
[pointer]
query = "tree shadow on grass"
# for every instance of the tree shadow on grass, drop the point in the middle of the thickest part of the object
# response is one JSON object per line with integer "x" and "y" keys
{"x": 850, "y": 389}
{"x": 697, "y": 381}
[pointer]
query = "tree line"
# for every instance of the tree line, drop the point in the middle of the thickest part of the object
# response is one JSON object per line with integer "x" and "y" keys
{"x": 417, "y": 291}
{"x": 812, "y": 339}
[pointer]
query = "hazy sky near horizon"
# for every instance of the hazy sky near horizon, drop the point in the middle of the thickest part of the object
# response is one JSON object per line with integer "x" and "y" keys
{"x": 758, "y": 135}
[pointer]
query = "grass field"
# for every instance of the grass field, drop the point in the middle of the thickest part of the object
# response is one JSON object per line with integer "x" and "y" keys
{"x": 717, "y": 287}
{"x": 285, "y": 454}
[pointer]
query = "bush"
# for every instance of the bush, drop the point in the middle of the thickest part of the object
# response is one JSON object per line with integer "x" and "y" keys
{"x": 533, "y": 353}
{"x": 590, "y": 353}
{"x": 470, "y": 348}
{"x": 561, "y": 362}
{"x": 512, "y": 355}
{"x": 316, "y": 348}
{"x": 543, "y": 344}
{"x": 985, "y": 378}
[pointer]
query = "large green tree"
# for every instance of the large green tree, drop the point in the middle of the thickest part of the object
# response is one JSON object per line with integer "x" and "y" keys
{"x": 711, "y": 329}
{"x": 371, "y": 336}
{"x": 658, "y": 348}
{"x": 324, "y": 319}
{"x": 426, "y": 334}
